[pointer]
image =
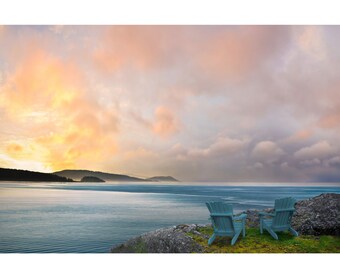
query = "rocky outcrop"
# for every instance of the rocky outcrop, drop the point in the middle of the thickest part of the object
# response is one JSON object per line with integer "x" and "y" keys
{"x": 316, "y": 216}
{"x": 167, "y": 240}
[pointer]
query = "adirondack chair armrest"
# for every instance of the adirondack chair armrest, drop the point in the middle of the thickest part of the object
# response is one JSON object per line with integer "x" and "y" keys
{"x": 261, "y": 214}
{"x": 240, "y": 217}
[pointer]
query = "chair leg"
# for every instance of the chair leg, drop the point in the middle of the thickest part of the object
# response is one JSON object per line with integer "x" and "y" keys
{"x": 244, "y": 230}
{"x": 233, "y": 241}
{"x": 211, "y": 239}
{"x": 261, "y": 226}
{"x": 273, "y": 234}
{"x": 295, "y": 233}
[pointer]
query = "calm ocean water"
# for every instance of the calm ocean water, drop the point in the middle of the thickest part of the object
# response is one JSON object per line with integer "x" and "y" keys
{"x": 91, "y": 218}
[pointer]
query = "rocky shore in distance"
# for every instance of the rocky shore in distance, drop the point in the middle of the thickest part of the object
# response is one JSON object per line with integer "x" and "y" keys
{"x": 319, "y": 215}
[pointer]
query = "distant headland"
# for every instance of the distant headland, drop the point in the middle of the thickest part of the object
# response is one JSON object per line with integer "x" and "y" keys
{"x": 79, "y": 174}
{"x": 7, "y": 174}
{"x": 162, "y": 178}
{"x": 23, "y": 175}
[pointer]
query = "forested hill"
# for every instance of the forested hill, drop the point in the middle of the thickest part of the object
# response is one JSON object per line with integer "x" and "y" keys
{"x": 79, "y": 174}
{"x": 23, "y": 175}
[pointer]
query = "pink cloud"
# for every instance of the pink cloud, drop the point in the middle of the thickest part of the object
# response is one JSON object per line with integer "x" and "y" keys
{"x": 166, "y": 123}
{"x": 141, "y": 47}
{"x": 220, "y": 147}
{"x": 318, "y": 150}
{"x": 267, "y": 151}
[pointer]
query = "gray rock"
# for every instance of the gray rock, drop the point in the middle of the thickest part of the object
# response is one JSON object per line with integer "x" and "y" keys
{"x": 252, "y": 219}
{"x": 318, "y": 215}
{"x": 168, "y": 240}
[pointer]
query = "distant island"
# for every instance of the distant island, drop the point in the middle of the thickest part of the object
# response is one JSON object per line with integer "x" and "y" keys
{"x": 162, "y": 178}
{"x": 79, "y": 174}
{"x": 91, "y": 179}
{"x": 23, "y": 175}
{"x": 7, "y": 174}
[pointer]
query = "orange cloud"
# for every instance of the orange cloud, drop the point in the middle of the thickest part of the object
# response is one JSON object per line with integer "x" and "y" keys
{"x": 40, "y": 82}
{"x": 66, "y": 127}
{"x": 14, "y": 150}
{"x": 166, "y": 124}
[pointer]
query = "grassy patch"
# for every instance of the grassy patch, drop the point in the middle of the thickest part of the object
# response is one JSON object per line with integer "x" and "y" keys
{"x": 254, "y": 242}
{"x": 140, "y": 246}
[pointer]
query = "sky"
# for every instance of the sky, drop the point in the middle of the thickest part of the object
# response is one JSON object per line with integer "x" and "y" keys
{"x": 199, "y": 103}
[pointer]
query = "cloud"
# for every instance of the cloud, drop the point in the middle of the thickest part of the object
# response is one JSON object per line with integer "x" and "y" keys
{"x": 139, "y": 153}
{"x": 310, "y": 40}
{"x": 267, "y": 151}
{"x": 284, "y": 165}
{"x": 300, "y": 135}
{"x": 236, "y": 52}
{"x": 256, "y": 165}
{"x": 141, "y": 47}
{"x": 334, "y": 161}
{"x": 166, "y": 123}
{"x": 39, "y": 82}
{"x": 66, "y": 128}
{"x": 14, "y": 150}
{"x": 222, "y": 100}
{"x": 311, "y": 162}
{"x": 219, "y": 53}
{"x": 331, "y": 119}
{"x": 320, "y": 149}
{"x": 223, "y": 146}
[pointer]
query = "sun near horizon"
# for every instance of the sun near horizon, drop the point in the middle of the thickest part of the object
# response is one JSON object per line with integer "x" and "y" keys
{"x": 200, "y": 103}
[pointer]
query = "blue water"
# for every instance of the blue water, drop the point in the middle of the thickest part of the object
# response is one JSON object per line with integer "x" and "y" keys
{"x": 91, "y": 218}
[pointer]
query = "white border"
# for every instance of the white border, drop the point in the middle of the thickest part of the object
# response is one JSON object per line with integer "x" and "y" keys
{"x": 169, "y": 12}
{"x": 169, "y": 261}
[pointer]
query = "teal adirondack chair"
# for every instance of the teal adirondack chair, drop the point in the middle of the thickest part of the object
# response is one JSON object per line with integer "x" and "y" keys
{"x": 224, "y": 222}
{"x": 281, "y": 218}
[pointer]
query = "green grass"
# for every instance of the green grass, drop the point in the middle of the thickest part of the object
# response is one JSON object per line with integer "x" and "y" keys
{"x": 254, "y": 242}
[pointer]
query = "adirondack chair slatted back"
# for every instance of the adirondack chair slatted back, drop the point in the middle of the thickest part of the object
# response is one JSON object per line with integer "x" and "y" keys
{"x": 221, "y": 223}
{"x": 284, "y": 210}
